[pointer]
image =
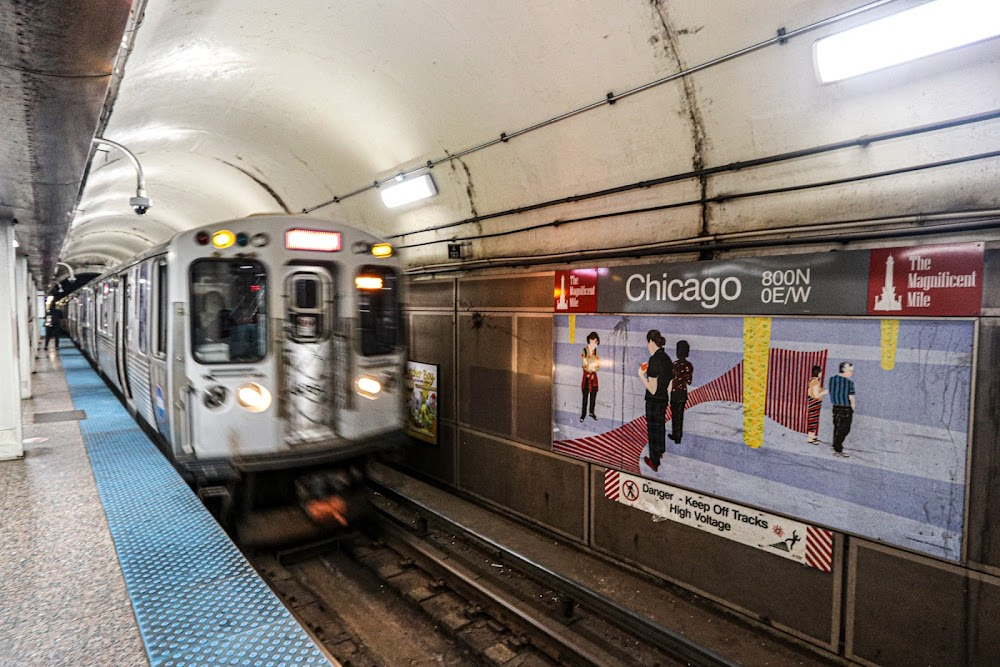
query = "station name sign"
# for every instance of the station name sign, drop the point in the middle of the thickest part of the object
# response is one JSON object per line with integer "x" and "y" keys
{"x": 932, "y": 280}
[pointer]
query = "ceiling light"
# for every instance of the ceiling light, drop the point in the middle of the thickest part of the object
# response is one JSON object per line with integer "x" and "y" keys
{"x": 924, "y": 30}
{"x": 410, "y": 190}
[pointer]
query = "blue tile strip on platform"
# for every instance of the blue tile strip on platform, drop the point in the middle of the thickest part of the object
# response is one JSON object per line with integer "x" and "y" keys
{"x": 196, "y": 599}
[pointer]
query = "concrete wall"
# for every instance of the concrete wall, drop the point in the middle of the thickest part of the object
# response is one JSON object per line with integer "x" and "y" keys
{"x": 880, "y": 605}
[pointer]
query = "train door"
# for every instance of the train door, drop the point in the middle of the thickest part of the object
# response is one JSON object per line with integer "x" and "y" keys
{"x": 309, "y": 355}
{"x": 122, "y": 338}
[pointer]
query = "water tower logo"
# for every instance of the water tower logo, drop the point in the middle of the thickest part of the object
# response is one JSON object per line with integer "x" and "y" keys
{"x": 888, "y": 300}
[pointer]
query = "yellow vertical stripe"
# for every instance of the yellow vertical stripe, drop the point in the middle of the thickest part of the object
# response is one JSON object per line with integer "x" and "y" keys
{"x": 890, "y": 342}
{"x": 572, "y": 328}
{"x": 756, "y": 348}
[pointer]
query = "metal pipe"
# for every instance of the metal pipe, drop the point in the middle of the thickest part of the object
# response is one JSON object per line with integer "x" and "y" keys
{"x": 819, "y": 233}
{"x": 72, "y": 276}
{"x": 140, "y": 188}
{"x": 611, "y": 98}
{"x": 712, "y": 200}
{"x": 730, "y": 167}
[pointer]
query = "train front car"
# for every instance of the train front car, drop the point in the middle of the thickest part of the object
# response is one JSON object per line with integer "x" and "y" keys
{"x": 287, "y": 368}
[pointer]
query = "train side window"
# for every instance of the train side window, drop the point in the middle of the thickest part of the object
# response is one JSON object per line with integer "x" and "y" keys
{"x": 161, "y": 309}
{"x": 143, "y": 307}
{"x": 379, "y": 310}
{"x": 228, "y": 311}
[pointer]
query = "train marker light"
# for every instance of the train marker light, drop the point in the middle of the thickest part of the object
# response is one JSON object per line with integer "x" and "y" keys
{"x": 312, "y": 239}
{"x": 214, "y": 396}
{"x": 382, "y": 250}
{"x": 260, "y": 240}
{"x": 253, "y": 397}
{"x": 223, "y": 238}
{"x": 368, "y": 282}
{"x": 409, "y": 190}
{"x": 242, "y": 239}
{"x": 368, "y": 386}
{"x": 202, "y": 238}
{"x": 924, "y": 30}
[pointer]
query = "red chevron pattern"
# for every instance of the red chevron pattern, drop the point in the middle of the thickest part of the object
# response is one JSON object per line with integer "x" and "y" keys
{"x": 787, "y": 379}
{"x": 611, "y": 487}
{"x": 819, "y": 548}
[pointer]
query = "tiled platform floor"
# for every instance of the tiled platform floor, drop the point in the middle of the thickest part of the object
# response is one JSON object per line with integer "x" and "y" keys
{"x": 62, "y": 596}
{"x": 147, "y": 577}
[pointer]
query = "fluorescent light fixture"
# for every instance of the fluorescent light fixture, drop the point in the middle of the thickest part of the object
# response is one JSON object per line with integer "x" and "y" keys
{"x": 16, "y": 244}
{"x": 924, "y": 30}
{"x": 410, "y": 190}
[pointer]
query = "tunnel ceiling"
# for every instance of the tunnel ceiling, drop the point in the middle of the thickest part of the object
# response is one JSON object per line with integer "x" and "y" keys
{"x": 530, "y": 113}
{"x": 56, "y": 63}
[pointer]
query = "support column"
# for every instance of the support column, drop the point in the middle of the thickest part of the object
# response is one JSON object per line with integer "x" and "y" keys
{"x": 26, "y": 355}
{"x": 10, "y": 381}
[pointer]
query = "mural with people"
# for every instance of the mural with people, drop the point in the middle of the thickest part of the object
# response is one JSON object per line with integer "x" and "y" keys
{"x": 812, "y": 417}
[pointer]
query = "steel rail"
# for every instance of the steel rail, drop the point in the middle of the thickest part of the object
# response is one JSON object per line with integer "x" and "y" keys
{"x": 663, "y": 638}
{"x": 480, "y": 588}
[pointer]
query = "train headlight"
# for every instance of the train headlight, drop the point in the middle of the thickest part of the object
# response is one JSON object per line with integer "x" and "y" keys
{"x": 368, "y": 386}
{"x": 253, "y": 397}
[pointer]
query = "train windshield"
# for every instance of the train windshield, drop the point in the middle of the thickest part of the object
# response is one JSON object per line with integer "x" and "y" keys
{"x": 228, "y": 311}
{"x": 379, "y": 310}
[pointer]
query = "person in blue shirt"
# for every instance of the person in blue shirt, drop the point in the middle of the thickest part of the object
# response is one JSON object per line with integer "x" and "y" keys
{"x": 841, "y": 389}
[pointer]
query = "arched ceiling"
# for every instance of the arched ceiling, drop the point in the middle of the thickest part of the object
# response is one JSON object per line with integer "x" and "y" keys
{"x": 242, "y": 106}
{"x": 56, "y": 64}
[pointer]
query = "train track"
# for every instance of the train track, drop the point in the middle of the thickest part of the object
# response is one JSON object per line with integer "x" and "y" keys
{"x": 478, "y": 602}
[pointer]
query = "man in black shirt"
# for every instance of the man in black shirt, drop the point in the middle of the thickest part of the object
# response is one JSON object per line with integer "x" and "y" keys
{"x": 656, "y": 375}
{"x": 52, "y": 325}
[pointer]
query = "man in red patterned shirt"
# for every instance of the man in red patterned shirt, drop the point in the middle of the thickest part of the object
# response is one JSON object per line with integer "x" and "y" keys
{"x": 683, "y": 372}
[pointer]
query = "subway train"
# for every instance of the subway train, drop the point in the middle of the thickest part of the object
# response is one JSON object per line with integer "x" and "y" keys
{"x": 265, "y": 355}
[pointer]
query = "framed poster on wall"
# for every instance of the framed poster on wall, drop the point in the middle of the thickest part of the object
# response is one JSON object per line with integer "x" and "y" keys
{"x": 833, "y": 388}
{"x": 422, "y": 404}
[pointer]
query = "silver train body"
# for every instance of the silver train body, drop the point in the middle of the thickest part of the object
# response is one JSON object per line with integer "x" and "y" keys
{"x": 258, "y": 351}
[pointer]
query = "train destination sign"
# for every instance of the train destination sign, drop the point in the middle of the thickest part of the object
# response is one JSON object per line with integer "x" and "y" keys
{"x": 925, "y": 280}
{"x": 783, "y": 537}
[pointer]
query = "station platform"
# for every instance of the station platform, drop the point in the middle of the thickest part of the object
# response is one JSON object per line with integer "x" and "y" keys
{"x": 108, "y": 557}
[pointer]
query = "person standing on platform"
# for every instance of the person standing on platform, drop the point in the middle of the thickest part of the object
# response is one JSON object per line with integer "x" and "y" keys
{"x": 842, "y": 396}
{"x": 683, "y": 372}
{"x": 656, "y": 376}
{"x": 52, "y": 325}
{"x": 814, "y": 403}
{"x": 591, "y": 363}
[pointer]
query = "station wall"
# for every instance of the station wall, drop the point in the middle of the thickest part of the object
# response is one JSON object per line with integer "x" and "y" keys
{"x": 493, "y": 339}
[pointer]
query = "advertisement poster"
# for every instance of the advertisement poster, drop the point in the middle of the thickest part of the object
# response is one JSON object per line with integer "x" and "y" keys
{"x": 422, "y": 384}
{"x": 857, "y": 424}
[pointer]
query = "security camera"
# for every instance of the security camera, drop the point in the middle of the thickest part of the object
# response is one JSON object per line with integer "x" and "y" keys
{"x": 140, "y": 204}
